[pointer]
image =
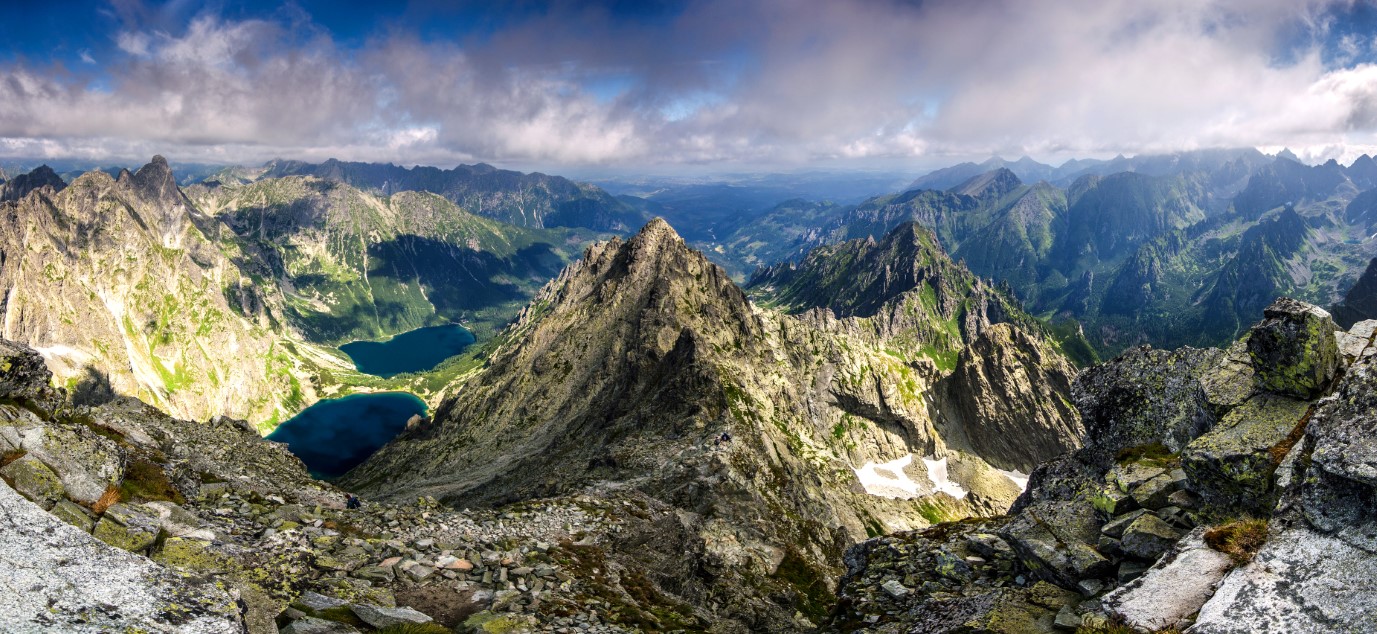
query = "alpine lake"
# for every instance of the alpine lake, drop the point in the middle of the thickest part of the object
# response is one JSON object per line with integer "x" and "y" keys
{"x": 336, "y": 435}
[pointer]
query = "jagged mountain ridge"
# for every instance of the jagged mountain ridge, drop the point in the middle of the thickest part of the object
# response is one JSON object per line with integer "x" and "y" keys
{"x": 625, "y": 368}
{"x": 224, "y": 302}
{"x": 528, "y": 200}
{"x": 114, "y": 280}
{"x": 1135, "y": 256}
{"x": 358, "y": 266}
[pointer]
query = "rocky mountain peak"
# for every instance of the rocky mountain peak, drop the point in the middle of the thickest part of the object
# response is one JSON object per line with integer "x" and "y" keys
{"x": 40, "y": 177}
{"x": 991, "y": 185}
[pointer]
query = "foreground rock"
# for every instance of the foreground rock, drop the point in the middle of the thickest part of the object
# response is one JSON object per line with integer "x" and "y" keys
{"x": 1176, "y": 442}
{"x": 54, "y": 577}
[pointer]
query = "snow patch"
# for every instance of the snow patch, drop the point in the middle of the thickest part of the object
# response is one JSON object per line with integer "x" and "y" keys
{"x": 1017, "y": 477}
{"x": 888, "y": 480}
{"x": 937, "y": 473}
{"x": 58, "y": 350}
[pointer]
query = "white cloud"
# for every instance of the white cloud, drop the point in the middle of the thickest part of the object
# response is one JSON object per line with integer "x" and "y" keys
{"x": 769, "y": 81}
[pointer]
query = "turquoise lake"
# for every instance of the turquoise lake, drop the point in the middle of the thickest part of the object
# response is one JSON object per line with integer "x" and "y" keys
{"x": 413, "y": 351}
{"x": 336, "y": 435}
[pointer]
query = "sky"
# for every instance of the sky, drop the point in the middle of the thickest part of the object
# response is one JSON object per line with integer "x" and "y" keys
{"x": 714, "y": 84}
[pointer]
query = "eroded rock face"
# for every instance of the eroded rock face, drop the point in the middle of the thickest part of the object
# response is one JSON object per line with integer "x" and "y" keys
{"x": 1294, "y": 350}
{"x": 998, "y": 401}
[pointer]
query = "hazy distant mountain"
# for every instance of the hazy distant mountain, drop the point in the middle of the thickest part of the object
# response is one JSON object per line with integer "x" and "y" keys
{"x": 1183, "y": 249}
{"x": 21, "y": 185}
{"x": 529, "y": 200}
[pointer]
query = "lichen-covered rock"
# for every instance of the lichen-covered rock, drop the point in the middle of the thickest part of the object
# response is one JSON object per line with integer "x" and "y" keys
{"x": 1146, "y": 396}
{"x": 1153, "y": 494}
{"x": 1173, "y": 589}
{"x": 73, "y": 514}
{"x": 34, "y": 480}
{"x": 56, "y": 578}
{"x": 1148, "y": 537}
{"x": 385, "y": 617}
{"x": 1231, "y": 467}
{"x": 1293, "y": 350}
{"x": 1055, "y": 541}
{"x": 128, "y": 527}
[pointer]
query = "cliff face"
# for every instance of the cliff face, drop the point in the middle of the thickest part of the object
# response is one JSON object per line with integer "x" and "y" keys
{"x": 116, "y": 281}
{"x": 1144, "y": 520}
{"x": 626, "y": 369}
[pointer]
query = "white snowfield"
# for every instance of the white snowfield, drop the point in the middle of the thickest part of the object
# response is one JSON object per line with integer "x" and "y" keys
{"x": 890, "y": 480}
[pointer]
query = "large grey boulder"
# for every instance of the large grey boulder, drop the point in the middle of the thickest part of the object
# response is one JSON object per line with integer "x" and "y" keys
{"x": 1301, "y": 581}
{"x": 128, "y": 527}
{"x": 56, "y": 578}
{"x": 383, "y": 617}
{"x": 1294, "y": 350}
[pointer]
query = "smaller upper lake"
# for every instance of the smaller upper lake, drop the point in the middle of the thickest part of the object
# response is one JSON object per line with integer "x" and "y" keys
{"x": 412, "y": 351}
{"x": 336, "y": 435}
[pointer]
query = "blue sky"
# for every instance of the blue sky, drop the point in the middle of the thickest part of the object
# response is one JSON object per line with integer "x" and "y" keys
{"x": 702, "y": 84}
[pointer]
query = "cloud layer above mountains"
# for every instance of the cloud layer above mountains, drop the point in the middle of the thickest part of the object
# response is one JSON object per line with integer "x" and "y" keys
{"x": 720, "y": 82}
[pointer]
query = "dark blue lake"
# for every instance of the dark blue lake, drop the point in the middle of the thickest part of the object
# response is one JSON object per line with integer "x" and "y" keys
{"x": 335, "y": 435}
{"x": 412, "y": 351}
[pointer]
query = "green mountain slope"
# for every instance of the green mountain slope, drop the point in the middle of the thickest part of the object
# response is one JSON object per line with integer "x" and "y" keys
{"x": 528, "y": 200}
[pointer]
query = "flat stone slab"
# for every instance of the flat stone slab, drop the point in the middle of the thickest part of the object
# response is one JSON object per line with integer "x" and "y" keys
{"x": 1182, "y": 581}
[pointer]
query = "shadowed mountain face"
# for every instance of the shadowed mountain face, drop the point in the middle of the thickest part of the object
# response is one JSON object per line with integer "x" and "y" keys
{"x": 528, "y": 200}
{"x": 625, "y": 369}
{"x": 1361, "y": 301}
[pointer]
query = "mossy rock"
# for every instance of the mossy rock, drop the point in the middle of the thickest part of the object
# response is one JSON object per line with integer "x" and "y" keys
{"x": 1293, "y": 350}
{"x": 1231, "y": 467}
{"x": 34, "y": 480}
{"x": 128, "y": 528}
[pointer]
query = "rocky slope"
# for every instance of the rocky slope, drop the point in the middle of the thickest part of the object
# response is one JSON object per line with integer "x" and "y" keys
{"x": 122, "y": 283}
{"x": 624, "y": 371}
{"x": 121, "y": 518}
{"x": 527, "y": 200}
{"x": 1361, "y": 301}
{"x": 353, "y": 265}
{"x": 1149, "y": 523}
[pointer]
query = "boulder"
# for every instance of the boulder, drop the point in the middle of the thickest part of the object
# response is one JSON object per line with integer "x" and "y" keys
{"x": 1173, "y": 589}
{"x": 380, "y": 617}
{"x": 1231, "y": 467}
{"x": 128, "y": 527}
{"x": 1293, "y": 349}
{"x": 34, "y": 480}
{"x": 1115, "y": 528}
{"x": 73, "y": 514}
{"x": 1153, "y": 494}
{"x": 1148, "y": 537}
{"x": 312, "y": 625}
{"x": 1054, "y": 541}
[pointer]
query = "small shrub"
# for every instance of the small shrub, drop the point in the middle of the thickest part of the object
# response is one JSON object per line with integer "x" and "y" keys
{"x": 145, "y": 481}
{"x": 1152, "y": 453}
{"x": 107, "y": 500}
{"x": 1239, "y": 539}
{"x": 415, "y": 628}
{"x": 11, "y": 456}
